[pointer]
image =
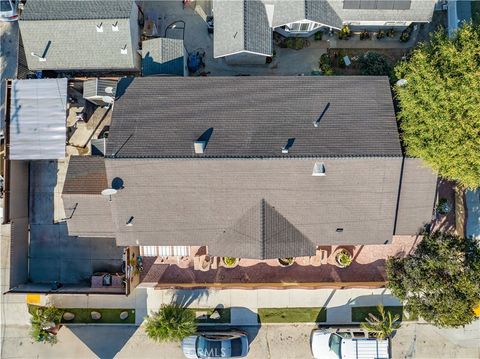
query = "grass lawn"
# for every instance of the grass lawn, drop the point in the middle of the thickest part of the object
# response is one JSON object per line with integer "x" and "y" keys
{"x": 82, "y": 315}
{"x": 224, "y": 315}
{"x": 360, "y": 313}
{"x": 292, "y": 315}
{"x": 476, "y": 12}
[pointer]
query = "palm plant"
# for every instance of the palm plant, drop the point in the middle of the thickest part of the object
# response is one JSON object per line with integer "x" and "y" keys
{"x": 383, "y": 325}
{"x": 171, "y": 323}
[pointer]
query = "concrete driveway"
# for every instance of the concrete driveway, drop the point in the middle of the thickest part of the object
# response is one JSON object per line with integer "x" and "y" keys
{"x": 196, "y": 38}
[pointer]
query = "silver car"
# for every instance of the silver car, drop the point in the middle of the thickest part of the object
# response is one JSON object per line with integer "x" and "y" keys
{"x": 8, "y": 10}
{"x": 226, "y": 344}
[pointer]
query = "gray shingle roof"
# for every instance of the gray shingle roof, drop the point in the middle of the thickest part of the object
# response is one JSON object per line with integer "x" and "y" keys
{"x": 417, "y": 197}
{"x": 85, "y": 175}
{"x": 73, "y": 43}
{"x": 241, "y": 25}
{"x": 76, "y": 9}
{"x": 163, "y": 56}
{"x": 88, "y": 213}
{"x": 219, "y": 203}
{"x": 255, "y": 117}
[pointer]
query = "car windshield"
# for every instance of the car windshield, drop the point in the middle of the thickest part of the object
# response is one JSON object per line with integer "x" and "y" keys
{"x": 334, "y": 344}
{"x": 5, "y": 5}
{"x": 207, "y": 348}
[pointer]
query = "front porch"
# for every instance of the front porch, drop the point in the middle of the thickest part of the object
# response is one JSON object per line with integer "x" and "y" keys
{"x": 321, "y": 271}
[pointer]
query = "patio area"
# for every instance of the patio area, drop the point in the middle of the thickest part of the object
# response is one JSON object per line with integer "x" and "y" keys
{"x": 321, "y": 271}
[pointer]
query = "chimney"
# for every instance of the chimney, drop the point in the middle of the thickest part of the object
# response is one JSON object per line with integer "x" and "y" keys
{"x": 199, "y": 146}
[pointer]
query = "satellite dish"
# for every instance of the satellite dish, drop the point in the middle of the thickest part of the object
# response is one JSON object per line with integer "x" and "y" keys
{"x": 109, "y": 192}
{"x": 109, "y": 89}
{"x": 107, "y": 99}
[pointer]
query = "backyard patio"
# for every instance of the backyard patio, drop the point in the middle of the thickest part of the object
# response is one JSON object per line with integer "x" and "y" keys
{"x": 367, "y": 269}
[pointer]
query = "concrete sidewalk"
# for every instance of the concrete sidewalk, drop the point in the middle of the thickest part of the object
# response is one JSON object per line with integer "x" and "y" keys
{"x": 145, "y": 300}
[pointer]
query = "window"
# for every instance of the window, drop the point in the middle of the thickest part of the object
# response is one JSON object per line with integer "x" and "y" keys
{"x": 334, "y": 343}
{"x": 319, "y": 169}
{"x": 301, "y": 26}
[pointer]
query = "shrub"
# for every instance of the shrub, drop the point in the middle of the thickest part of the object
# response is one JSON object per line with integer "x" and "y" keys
{"x": 43, "y": 319}
{"x": 295, "y": 43}
{"x": 380, "y": 34}
{"x": 443, "y": 206}
{"x": 364, "y": 35}
{"x": 374, "y": 64}
{"x": 405, "y": 35}
{"x": 391, "y": 32}
{"x": 318, "y": 36}
{"x": 344, "y": 33}
{"x": 325, "y": 64}
{"x": 171, "y": 323}
{"x": 286, "y": 261}
{"x": 381, "y": 326}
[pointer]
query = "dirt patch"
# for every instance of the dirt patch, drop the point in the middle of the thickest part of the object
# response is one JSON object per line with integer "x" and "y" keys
{"x": 393, "y": 56}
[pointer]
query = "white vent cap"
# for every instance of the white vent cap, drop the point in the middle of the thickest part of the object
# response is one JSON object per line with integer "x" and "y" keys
{"x": 199, "y": 146}
{"x": 319, "y": 169}
{"x": 99, "y": 27}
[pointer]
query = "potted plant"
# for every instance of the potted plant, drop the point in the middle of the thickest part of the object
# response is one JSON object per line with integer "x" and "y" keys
{"x": 343, "y": 258}
{"x": 286, "y": 262}
{"x": 230, "y": 262}
{"x": 364, "y": 35}
{"x": 380, "y": 34}
{"x": 390, "y": 32}
{"x": 344, "y": 33}
{"x": 405, "y": 35}
{"x": 443, "y": 207}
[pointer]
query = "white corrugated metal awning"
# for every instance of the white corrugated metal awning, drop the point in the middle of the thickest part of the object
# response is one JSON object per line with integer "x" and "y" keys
{"x": 38, "y": 119}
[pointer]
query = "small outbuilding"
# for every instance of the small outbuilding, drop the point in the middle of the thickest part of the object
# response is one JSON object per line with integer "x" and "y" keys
{"x": 38, "y": 119}
{"x": 162, "y": 56}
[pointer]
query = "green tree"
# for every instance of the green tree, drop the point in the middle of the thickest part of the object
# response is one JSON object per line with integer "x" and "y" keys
{"x": 171, "y": 323}
{"x": 374, "y": 64}
{"x": 382, "y": 325}
{"x": 43, "y": 320}
{"x": 439, "y": 281}
{"x": 440, "y": 104}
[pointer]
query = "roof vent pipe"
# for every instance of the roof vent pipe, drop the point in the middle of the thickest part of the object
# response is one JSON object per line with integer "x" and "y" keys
{"x": 100, "y": 27}
{"x": 200, "y": 146}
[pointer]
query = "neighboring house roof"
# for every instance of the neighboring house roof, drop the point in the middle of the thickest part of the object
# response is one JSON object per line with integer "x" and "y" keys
{"x": 76, "y": 9}
{"x": 65, "y": 35}
{"x": 241, "y": 26}
{"x": 38, "y": 113}
{"x": 88, "y": 213}
{"x": 245, "y": 25}
{"x": 254, "y": 117}
{"x": 162, "y": 56}
{"x": 99, "y": 87}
